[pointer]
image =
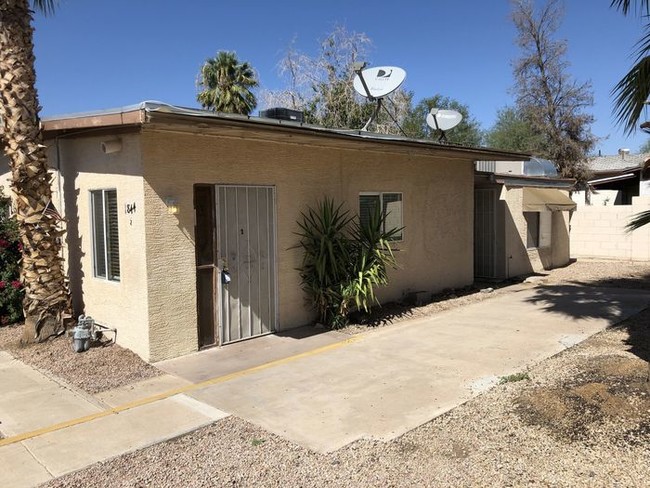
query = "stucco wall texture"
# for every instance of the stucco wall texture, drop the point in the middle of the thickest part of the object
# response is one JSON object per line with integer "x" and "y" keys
{"x": 521, "y": 260}
{"x": 153, "y": 305}
{"x": 84, "y": 167}
{"x": 436, "y": 252}
{"x": 120, "y": 304}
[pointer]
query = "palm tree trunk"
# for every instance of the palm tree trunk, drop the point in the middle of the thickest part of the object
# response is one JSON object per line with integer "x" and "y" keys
{"x": 46, "y": 292}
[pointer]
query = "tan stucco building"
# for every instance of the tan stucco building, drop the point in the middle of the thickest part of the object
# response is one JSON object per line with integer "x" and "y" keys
{"x": 522, "y": 212}
{"x": 164, "y": 205}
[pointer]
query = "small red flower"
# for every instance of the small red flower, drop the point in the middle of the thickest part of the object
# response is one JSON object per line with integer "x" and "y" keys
{"x": 20, "y": 246}
{"x": 4, "y": 243}
{"x": 3, "y": 284}
{"x": 16, "y": 284}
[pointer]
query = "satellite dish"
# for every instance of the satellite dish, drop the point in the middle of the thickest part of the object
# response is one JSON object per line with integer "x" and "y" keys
{"x": 376, "y": 83}
{"x": 443, "y": 119}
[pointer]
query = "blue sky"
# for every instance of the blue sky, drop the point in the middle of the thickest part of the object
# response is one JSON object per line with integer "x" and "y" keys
{"x": 95, "y": 55}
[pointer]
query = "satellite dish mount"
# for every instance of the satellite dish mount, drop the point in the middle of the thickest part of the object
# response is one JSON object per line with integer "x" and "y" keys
{"x": 375, "y": 84}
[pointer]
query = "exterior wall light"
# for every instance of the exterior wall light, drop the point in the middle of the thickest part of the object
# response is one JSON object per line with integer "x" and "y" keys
{"x": 172, "y": 206}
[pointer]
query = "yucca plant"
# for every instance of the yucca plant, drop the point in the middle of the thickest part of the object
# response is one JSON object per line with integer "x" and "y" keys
{"x": 373, "y": 256}
{"x": 343, "y": 260}
{"x": 326, "y": 256}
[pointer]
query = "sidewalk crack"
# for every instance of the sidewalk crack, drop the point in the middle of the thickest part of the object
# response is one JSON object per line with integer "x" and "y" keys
{"x": 36, "y": 459}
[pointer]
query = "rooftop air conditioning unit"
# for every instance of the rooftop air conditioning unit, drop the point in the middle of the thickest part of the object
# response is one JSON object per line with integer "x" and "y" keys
{"x": 282, "y": 114}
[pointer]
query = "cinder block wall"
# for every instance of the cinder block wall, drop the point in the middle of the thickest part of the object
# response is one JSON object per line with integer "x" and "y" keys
{"x": 599, "y": 232}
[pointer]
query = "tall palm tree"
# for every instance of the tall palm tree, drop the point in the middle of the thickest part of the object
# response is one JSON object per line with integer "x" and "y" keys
{"x": 226, "y": 84}
{"x": 631, "y": 93}
{"x": 46, "y": 294}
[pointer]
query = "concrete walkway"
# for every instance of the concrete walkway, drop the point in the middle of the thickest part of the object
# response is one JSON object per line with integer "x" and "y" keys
{"x": 31, "y": 403}
{"x": 322, "y": 391}
{"x": 393, "y": 380}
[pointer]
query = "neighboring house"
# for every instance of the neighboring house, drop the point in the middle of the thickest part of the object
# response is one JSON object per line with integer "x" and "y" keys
{"x": 618, "y": 189}
{"x": 164, "y": 205}
{"x": 522, "y": 218}
{"x": 616, "y": 179}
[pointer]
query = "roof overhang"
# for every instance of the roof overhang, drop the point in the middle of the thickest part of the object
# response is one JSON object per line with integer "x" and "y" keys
{"x": 127, "y": 116}
{"x": 541, "y": 199}
{"x": 522, "y": 181}
{"x": 161, "y": 116}
{"x": 610, "y": 179}
{"x": 611, "y": 172}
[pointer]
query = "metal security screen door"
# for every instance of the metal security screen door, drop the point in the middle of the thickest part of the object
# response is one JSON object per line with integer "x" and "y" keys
{"x": 246, "y": 247}
{"x": 485, "y": 257}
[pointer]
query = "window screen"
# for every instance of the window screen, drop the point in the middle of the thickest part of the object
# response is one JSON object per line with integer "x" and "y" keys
{"x": 368, "y": 205}
{"x": 391, "y": 207}
{"x": 106, "y": 243}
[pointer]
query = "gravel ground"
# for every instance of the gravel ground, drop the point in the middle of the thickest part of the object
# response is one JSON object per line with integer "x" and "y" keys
{"x": 103, "y": 367}
{"x": 615, "y": 274}
{"x": 581, "y": 419}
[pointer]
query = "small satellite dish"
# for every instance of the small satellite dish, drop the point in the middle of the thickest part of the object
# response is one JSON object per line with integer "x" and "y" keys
{"x": 380, "y": 81}
{"x": 443, "y": 119}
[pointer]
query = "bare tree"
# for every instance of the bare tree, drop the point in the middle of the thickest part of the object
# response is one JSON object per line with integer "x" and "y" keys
{"x": 321, "y": 85}
{"x": 546, "y": 95}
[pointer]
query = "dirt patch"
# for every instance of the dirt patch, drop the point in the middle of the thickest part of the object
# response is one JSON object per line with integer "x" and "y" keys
{"x": 611, "y": 393}
{"x": 104, "y": 367}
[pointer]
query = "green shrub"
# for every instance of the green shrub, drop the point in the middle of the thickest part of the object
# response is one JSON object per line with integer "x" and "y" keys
{"x": 343, "y": 260}
{"x": 11, "y": 290}
{"x": 513, "y": 378}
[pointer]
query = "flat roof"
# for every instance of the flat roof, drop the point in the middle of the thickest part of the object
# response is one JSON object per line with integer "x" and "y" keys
{"x": 151, "y": 111}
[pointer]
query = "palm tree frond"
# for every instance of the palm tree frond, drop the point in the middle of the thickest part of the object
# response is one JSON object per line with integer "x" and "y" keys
{"x": 631, "y": 94}
{"x": 46, "y": 6}
{"x": 643, "y": 6}
{"x": 637, "y": 221}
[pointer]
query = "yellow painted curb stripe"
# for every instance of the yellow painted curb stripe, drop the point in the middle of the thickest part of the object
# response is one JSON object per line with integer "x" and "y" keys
{"x": 175, "y": 391}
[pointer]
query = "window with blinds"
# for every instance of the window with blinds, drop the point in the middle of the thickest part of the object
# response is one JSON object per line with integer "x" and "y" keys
{"x": 391, "y": 207}
{"x": 106, "y": 242}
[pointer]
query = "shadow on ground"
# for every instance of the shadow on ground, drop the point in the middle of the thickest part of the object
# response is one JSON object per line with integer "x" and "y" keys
{"x": 637, "y": 282}
{"x": 609, "y": 390}
{"x": 577, "y": 302}
{"x": 595, "y": 298}
{"x": 638, "y": 331}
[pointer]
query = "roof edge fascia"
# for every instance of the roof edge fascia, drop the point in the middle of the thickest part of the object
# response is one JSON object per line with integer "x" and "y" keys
{"x": 522, "y": 181}
{"x": 150, "y": 112}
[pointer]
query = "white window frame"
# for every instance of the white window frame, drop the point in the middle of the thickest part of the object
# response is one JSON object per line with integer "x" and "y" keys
{"x": 108, "y": 274}
{"x": 381, "y": 194}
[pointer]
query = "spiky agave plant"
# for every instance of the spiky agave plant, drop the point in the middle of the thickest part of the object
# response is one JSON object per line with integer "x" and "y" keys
{"x": 343, "y": 260}
{"x": 373, "y": 255}
{"x": 326, "y": 257}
